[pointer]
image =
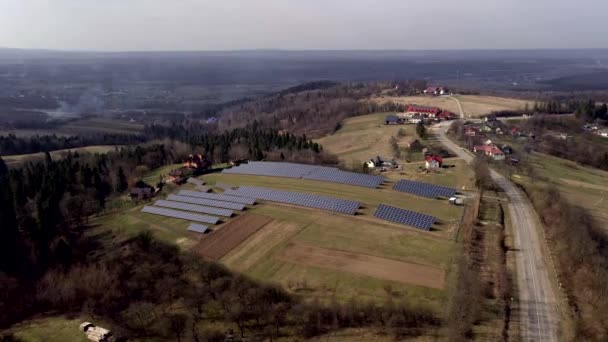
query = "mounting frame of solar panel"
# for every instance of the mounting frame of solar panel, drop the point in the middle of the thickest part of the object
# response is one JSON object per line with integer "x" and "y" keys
{"x": 180, "y": 214}
{"x": 198, "y": 228}
{"x": 206, "y": 202}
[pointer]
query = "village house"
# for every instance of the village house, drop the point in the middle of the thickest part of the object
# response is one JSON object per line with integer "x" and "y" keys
{"x": 416, "y": 119}
{"x": 177, "y": 176}
{"x": 393, "y": 120}
{"x": 433, "y": 162}
{"x": 470, "y": 132}
{"x": 425, "y": 111}
{"x": 142, "y": 191}
{"x": 490, "y": 151}
{"x": 436, "y": 91}
{"x": 197, "y": 161}
{"x": 446, "y": 115}
{"x": 411, "y": 143}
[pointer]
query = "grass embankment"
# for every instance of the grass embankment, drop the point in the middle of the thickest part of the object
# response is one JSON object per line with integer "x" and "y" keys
{"x": 20, "y": 158}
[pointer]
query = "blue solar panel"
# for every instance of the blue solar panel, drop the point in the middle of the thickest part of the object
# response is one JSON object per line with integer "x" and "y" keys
{"x": 180, "y": 214}
{"x": 198, "y": 228}
{"x": 298, "y": 198}
{"x": 310, "y": 172}
{"x": 207, "y": 202}
{"x": 194, "y": 207}
{"x": 424, "y": 189}
{"x": 403, "y": 216}
{"x": 217, "y": 197}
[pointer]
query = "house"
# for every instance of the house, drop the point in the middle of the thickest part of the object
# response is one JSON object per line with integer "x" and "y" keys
{"x": 515, "y": 132}
{"x": 490, "y": 118}
{"x": 415, "y": 119}
{"x": 436, "y": 91}
{"x": 603, "y": 134}
{"x": 411, "y": 144}
{"x": 470, "y": 132}
{"x": 433, "y": 162}
{"x": 486, "y": 128}
{"x": 95, "y": 333}
{"x": 177, "y": 176}
{"x": 142, "y": 191}
{"x": 445, "y": 115}
{"x": 197, "y": 161}
{"x": 499, "y": 131}
{"x": 490, "y": 151}
{"x": 430, "y": 112}
{"x": 371, "y": 164}
{"x": 392, "y": 120}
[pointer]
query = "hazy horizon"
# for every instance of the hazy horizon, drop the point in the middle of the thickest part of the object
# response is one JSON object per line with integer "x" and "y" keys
{"x": 290, "y": 25}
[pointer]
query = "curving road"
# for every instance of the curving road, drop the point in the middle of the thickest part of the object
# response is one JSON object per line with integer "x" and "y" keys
{"x": 537, "y": 301}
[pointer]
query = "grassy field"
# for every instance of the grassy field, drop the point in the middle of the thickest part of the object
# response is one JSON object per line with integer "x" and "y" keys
{"x": 473, "y": 105}
{"x": 584, "y": 186}
{"x": 20, "y": 158}
{"x": 84, "y": 126}
{"x": 363, "y": 138}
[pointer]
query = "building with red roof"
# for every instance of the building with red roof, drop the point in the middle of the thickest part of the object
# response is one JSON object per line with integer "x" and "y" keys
{"x": 491, "y": 151}
{"x": 433, "y": 162}
{"x": 424, "y": 110}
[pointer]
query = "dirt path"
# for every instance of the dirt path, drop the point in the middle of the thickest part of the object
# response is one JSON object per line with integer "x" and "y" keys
{"x": 372, "y": 266}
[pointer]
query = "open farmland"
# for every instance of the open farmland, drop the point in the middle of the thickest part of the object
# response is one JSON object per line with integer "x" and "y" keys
{"x": 219, "y": 242}
{"x": 84, "y": 126}
{"x": 362, "y": 138}
{"x": 473, "y": 105}
{"x": 583, "y": 186}
{"x": 20, "y": 158}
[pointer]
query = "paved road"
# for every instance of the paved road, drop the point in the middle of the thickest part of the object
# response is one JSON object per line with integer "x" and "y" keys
{"x": 538, "y": 309}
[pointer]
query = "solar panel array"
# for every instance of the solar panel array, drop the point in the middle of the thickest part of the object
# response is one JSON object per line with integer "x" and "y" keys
{"x": 194, "y": 207}
{"x": 217, "y": 197}
{"x": 198, "y": 228}
{"x": 403, "y": 216}
{"x": 298, "y": 198}
{"x": 195, "y": 181}
{"x": 424, "y": 189}
{"x": 311, "y": 172}
{"x": 180, "y": 214}
{"x": 207, "y": 202}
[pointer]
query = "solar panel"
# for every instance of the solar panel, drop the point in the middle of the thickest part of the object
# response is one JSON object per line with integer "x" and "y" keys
{"x": 206, "y": 202}
{"x": 298, "y": 198}
{"x": 403, "y": 216}
{"x": 180, "y": 214}
{"x": 195, "y": 181}
{"x": 217, "y": 197}
{"x": 194, "y": 207}
{"x": 310, "y": 172}
{"x": 198, "y": 228}
{"x": 424, "y": 189}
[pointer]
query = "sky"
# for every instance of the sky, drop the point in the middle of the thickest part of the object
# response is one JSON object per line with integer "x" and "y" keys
{"x": 136, "y": 25}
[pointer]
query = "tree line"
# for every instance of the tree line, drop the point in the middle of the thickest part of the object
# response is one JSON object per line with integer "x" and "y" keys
{"x": 12, "y": 144}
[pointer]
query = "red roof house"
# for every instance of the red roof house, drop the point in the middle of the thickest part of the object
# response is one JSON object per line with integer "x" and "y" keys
{"x": 433, "y": 162}
{"x": 491, "y": 151}
{"x": 428, "y": 111}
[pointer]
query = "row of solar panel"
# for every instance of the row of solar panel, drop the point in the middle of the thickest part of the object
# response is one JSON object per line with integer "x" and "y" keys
{"x": 424, "y": 189}
{"x": 195, "y": 208}
{"x": 311, "y": 172}
{"x": 298, "y": 198}
{"x": 206, "y": 202}
{"x": 403, "y": 216}
{"x": 180, "y": 214}
{"x": 198, "y": 228}
{"x": 217, "y": 197}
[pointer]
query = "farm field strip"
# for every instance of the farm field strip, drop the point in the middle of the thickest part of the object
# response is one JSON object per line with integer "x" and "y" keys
{"x": 376, "y": 267}
{"x": 221, "y": 241}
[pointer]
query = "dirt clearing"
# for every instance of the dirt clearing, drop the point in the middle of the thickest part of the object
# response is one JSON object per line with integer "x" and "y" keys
{"x": 219, "y": 242}
{"x": 259, "y": 244}
{"x": 376, "y": 267}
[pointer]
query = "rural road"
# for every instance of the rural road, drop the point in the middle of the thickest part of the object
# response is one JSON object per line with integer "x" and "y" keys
{"x": 537, "y": 301}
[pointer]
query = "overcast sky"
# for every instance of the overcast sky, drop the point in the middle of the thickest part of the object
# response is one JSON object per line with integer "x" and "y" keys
{"x": 302, "y": 24}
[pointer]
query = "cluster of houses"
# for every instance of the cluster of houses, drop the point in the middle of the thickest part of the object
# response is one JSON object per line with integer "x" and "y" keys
{"x": 416, "y": 114}
{"x": 436, "y": 91}
{"x": 595, "y": 129}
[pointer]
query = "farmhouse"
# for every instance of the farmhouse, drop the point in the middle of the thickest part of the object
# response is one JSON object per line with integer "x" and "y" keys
{"x": 490, "y": 151}
{"x": 393, "y": 120}
{"x": 141, "y": 191}
{"x": 197, "y": 161}
{"x": 411, "y": 143}
{"x": 436, "y": 91}
{"x": 470, "y": 132}
{"x": 446, "y": 115}
{"x": 433, "y": 162}
{"x": 430, "y": 112}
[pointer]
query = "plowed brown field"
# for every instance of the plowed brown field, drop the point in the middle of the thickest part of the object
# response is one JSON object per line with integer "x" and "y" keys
{"x": 220, "y": 242}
